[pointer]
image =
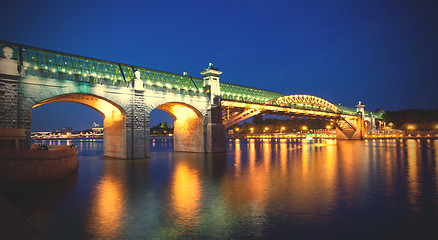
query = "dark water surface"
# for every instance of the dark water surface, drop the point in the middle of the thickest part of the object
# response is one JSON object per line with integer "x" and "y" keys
{"x": 264, "y": 189}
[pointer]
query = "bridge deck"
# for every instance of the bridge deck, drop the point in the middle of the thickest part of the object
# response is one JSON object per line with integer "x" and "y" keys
{"x": 36, "y": 61}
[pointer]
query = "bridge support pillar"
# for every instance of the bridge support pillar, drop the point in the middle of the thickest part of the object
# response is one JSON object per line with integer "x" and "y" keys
{"x": 11, "y": 108}
{"x": 137, "y": 128}
{"x": 359, "y": 134}
{"x": 215, "y": 130}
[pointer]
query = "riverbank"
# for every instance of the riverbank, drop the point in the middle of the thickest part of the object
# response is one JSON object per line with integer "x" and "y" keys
{"x": 283, "y": 136}
{"x": 325, "y": 135}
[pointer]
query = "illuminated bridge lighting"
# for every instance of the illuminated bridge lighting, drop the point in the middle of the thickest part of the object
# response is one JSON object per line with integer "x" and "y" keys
{"x": 52, "y": 64}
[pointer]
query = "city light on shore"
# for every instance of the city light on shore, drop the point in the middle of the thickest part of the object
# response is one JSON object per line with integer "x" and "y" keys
{"x": 411, "y": 127}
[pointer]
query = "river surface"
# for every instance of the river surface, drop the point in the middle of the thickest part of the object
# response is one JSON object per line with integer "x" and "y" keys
{"x": 259, "y": 189}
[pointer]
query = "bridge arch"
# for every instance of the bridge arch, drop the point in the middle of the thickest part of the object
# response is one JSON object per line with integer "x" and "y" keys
{"x": 188, "y": 133}
{"x": 305, "y": 100}
{"x": 114, "y": 118}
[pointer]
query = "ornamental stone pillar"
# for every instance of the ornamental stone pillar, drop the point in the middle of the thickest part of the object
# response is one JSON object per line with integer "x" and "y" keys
{"x": 215, "y": 140}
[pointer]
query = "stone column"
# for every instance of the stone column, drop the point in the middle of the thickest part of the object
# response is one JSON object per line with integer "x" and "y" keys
{"x": 215, "y": 140}
{"x": 137, "y": 130}
{"x": 11, "y": 111}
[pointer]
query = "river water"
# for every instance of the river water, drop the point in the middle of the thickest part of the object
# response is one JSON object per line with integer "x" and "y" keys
{"x": 259, "y": 189}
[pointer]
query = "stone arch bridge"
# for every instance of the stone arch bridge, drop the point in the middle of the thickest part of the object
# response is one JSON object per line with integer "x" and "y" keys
{"x": 125, "y": 95}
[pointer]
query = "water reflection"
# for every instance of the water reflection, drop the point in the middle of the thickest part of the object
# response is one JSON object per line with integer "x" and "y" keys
{"x": 412, "y": 170}
{"x": 186, "y": 194}
{"x": 259, "y": 189}
{"x": 108, "y": 210}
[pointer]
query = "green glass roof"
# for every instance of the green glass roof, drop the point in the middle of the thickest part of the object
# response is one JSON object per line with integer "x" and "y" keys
{"x": 37, "y": 61}
{"x": 245, "y": 94}
{"x": 72, "y": 67}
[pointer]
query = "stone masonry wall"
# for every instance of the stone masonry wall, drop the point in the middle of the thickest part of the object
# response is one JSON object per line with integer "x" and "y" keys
{"x": 8, "y": 103}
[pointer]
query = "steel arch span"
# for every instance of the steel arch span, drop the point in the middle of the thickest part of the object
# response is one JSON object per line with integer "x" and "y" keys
{"x": 305, "y": 100}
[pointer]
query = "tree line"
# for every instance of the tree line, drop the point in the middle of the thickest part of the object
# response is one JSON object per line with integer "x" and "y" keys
{"x": 423, "y": 120}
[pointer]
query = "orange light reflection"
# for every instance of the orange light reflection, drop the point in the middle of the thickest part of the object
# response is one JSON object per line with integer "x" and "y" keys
{"x": 186, "y": 194}
{"x": 108, "y": 215}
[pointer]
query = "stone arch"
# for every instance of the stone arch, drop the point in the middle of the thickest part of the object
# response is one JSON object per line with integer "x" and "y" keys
{"x": 114, "y": 116}
{"x": 188, "y": 133}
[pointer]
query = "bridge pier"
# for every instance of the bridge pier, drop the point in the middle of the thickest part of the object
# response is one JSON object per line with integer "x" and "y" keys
{"x": 355, "y": 126}
{"x": 358, "y": 134}
{"x": 215, "y": 129}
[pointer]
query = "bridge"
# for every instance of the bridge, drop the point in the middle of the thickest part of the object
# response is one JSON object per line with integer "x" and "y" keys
{"x": 125, "y": 95}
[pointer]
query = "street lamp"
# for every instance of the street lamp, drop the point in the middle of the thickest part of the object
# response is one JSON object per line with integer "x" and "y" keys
{"x": 304, "y": 128}
{"x": 251, "y": 130}
{"x": 237, "y": 130}
{"x": 282, "y": 129}
{"x": 411, "y": 127}
{"x": 328, "y": 127}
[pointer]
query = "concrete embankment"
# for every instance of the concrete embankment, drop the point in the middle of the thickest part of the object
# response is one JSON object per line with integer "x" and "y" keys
{"x": 24, "y": 167}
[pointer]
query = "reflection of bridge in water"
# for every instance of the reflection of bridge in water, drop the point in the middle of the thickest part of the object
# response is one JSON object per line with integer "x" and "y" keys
{"x": 125, "y": 95}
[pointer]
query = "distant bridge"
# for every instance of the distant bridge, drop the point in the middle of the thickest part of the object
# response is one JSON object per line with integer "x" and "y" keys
{"x": 125, "y": 95}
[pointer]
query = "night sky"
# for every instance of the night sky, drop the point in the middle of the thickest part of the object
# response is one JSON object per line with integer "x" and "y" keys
{"x": 384, "y": 53}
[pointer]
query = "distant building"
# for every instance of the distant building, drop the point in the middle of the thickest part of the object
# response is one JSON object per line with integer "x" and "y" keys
{"x": 65, "y": 130}
{"x": 96, "y": 128}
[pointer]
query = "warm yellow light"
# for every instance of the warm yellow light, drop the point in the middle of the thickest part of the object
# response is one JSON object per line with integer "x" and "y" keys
{"x": 251, "y": 129}
{"x": 304, "y": 128}
{"x": 411, "y": 127}
{"x": 266, "y": 128}
{"x": 237, "y": 129}
{"x": 108, "y": 207}
{"x": 436, "y": 126}
{"x": 282, "y": 128}
{"x": 328, "y": 126}
{"x": 186, "y": 193}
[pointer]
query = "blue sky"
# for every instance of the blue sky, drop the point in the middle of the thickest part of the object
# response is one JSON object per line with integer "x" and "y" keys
{"x": 384, "y": 53}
